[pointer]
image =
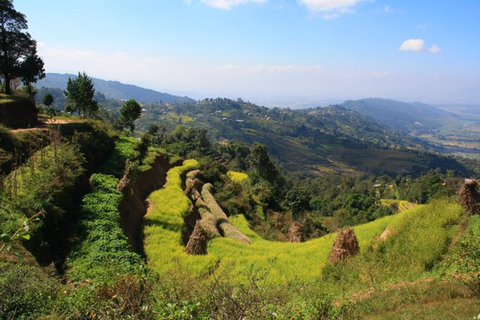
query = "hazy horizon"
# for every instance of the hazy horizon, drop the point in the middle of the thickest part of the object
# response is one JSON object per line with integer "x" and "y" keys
{"x": 266, "y": 50}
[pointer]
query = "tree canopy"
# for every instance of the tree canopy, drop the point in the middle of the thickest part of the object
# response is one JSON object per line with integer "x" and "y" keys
{"x": 80, "y": 93}
{"x": 47, "y": 99}
{"x": 130, "y": 112}
{"x": 18, "y": 51}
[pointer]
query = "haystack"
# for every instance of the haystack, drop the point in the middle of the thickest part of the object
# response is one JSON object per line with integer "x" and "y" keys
{"x": 223, "y": 224}
{"x": 197, "y": 243}
{"x": 385, "y": 234}
{"x": 190, "y": 181}
{"x": 469, "y": 197}
{"x": 208, "y": 221}
{"x": 345, "y": 246}
{"x": 296, "y": 233}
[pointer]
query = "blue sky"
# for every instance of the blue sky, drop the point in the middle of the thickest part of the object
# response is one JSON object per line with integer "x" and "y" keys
{"x": 268, "y": 51}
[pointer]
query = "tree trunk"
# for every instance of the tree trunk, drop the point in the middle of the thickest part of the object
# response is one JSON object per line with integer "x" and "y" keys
{"x": 8, "y": 90}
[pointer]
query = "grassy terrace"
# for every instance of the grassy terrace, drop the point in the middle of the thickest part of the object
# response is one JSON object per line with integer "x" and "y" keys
{"x": 430, "y": 227}
{"x": 163, "y": 227}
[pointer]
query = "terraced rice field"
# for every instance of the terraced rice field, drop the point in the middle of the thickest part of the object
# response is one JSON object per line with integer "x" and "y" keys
{"x": 284, "y": 262}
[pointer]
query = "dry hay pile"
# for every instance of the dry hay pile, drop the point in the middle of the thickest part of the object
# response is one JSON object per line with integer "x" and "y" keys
{"x": 296, "y": 233}
{"x": 190, "y": 181}
{"x": 208, "y": 220}
{"x": 469, "y": 197}
{"x": 213, "y": 221}
{"x": 223, "y": 224}
{"x": 197, "y": 243}
{"x": 344, "y": 247}
{"x": 385, "y": 234}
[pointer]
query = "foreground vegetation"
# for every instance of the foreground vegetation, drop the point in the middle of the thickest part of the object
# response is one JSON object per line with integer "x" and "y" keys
{"x": 66, "y": 254}
{"x": 75, "y": 244}
{"x": 98, "y": 274}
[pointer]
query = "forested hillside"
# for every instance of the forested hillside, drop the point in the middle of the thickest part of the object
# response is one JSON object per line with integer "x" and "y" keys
{"x": 449, "y": 129}
{"x": 415, "y": 118}
{"x": 309, "y": 140}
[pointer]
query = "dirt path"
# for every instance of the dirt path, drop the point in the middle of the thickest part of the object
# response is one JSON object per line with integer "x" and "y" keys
{"x": 43, "y": 124}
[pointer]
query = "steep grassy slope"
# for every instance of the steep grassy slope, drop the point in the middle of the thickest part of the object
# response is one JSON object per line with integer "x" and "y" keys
{"x": 401, "y": 275}
{"x": 419, "y": 237}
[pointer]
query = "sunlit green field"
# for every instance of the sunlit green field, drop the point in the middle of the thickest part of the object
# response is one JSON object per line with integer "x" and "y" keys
{"x": 406, "y": 265}
{"x": 284, "y": 262}
{"x": 237, "y": 176}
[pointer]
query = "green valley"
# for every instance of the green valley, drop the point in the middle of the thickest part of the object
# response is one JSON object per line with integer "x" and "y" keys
{"x": 309, "y": 140}
{"x": 120, "y": 202}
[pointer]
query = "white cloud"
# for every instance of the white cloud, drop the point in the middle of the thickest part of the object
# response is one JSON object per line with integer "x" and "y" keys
{"x": 228, "y": 4}
{"x": 418, "y": 45}
{"x": 413, "y": 45}
{"x": 379, "y": 74}
{"x": 330, "y": 8}
{"x": 434, "y": 49}
{"x": 281, "y": 69}
{"x": 231, "y": 67}
{"x": 295, "y": 69}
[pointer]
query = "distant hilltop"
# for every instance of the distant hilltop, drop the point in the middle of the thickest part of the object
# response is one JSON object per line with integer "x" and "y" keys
{"x": 114, "y": 89}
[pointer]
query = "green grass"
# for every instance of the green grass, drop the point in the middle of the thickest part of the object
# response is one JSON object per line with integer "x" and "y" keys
{"x": 400, "y": 204}
{"x": 421, "y": 299}
{"x": 124, "y": 149}
{"x": 395, "y": 278}
{"x": 164, "y": 223}
{"x": 163, "y": 227}
{"x": 419, "y": 239}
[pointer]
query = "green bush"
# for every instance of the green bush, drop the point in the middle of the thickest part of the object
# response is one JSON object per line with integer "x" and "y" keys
{"x": 48, "y": 182}
{"x": 465, "y": 258}
{"x": 25, "y": 292}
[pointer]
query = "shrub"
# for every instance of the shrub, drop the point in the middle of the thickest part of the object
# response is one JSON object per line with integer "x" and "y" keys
{"x": 237, "y": 176}
{"x": 25, "y": 292}
{"x": 465, "y": 260}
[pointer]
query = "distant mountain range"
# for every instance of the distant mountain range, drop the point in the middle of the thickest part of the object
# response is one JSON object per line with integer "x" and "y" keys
{"x": 113, "y": 89}
{"x": 415, "y": 118}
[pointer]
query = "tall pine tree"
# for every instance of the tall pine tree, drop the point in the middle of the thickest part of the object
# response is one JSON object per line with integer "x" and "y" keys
{"x": 18, "y": 51}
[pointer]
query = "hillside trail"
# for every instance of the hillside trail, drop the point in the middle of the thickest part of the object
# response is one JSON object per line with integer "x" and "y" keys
{"x": 44, "y": 124}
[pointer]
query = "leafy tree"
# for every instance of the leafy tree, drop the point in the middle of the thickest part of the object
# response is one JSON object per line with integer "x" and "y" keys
{"x": 18, "y": 51}
{"x": 80, "y": 95}
{"x": 185, "y": 141}
{"x": 28, "y": 91}
{"x": 47, "y": 99}
{"x": 297, "y": 200}
{"x": 130, "y": 112}
{"x": 260, "y": 164}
